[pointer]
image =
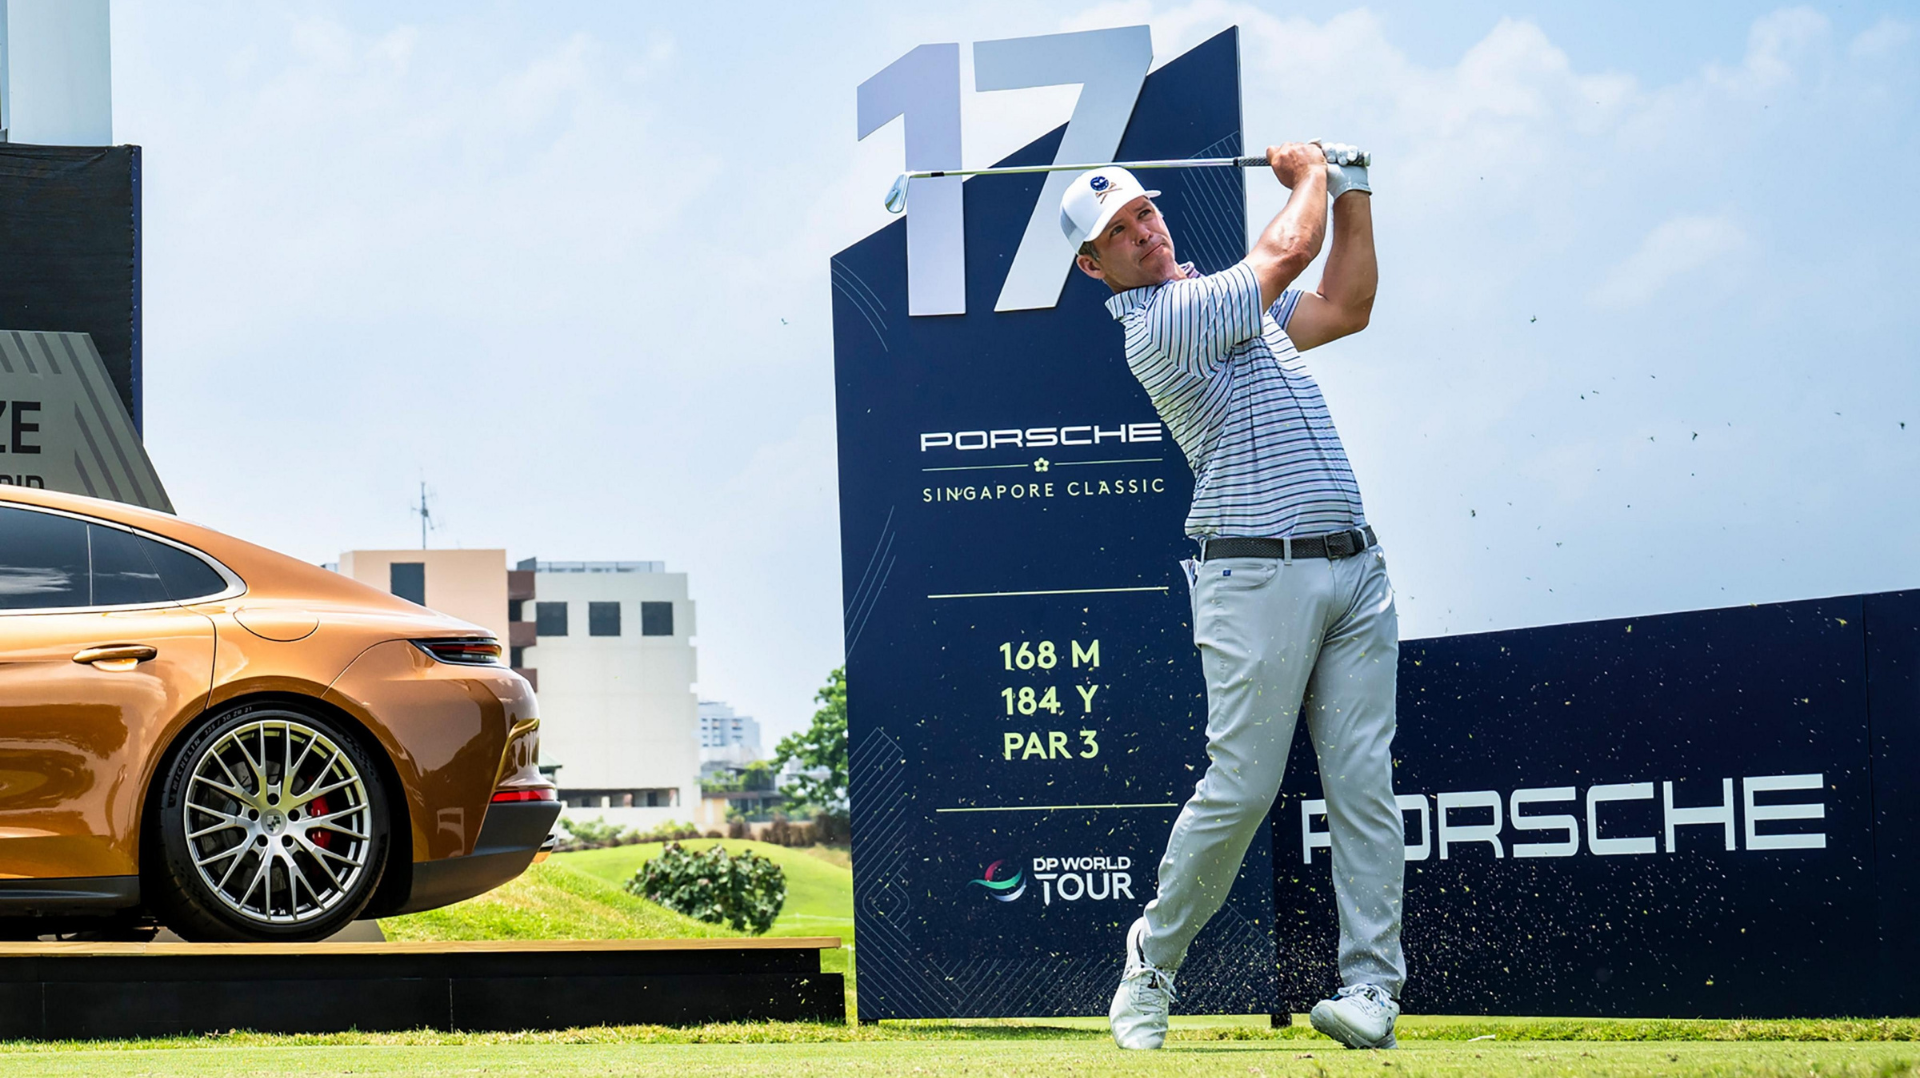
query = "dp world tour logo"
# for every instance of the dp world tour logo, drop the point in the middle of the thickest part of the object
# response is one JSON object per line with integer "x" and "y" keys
{"x": 1098, "y": 183}
{"x": 1004, "y": 888}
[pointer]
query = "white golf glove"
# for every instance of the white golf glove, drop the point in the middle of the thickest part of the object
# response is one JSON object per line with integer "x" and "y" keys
{"x": 1346, "y": 168}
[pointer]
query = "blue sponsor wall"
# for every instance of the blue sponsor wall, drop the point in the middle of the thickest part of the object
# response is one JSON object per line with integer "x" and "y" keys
{"x": 1748, "y": 776}
{"x": 999, "y": 857}
{"x": 1893, "y": 715}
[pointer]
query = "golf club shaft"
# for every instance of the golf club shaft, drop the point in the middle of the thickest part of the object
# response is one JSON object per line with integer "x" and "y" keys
{"x": 1178, "y": 162}
{"x": 897, "y": 196}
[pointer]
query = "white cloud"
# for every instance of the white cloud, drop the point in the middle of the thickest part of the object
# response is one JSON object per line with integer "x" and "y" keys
{"x": 1883, "y": 38}
{"x": 1671, "y": 254}
{"x": 1779, "y": 47}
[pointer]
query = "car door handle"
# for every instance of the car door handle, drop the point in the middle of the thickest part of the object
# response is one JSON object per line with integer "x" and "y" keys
{"x": 116, "y": 656}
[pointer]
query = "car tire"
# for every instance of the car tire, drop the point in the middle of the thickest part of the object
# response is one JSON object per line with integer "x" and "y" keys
{"x": 270, "y": 825}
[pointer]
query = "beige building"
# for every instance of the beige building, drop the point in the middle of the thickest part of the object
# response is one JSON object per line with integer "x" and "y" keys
{"x": 472, "y": 585}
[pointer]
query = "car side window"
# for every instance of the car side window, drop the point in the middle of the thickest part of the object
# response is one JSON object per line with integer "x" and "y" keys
{"x": 122, "y": 573}
{"x": 43, "y": 561}
{"x": 134, "y": 569}
{"x": 185, "y": 577}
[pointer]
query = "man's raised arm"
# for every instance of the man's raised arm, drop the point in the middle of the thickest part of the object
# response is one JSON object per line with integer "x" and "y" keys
{"x": 1292, "y": 239}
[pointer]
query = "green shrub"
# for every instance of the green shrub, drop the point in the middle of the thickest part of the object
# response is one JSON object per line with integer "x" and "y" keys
{"x": 666, "y": 832}
{"x": 832, "y": 829}
{"x": 590, "y": 833}
{"x": 597, "y": 833}
{"x": 744, "y": 890}
{"x": 784, "y": 832}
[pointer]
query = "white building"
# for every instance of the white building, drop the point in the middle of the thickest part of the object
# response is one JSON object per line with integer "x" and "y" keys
{"x": 613, "y": 644}
{"x": 728, "y": 739}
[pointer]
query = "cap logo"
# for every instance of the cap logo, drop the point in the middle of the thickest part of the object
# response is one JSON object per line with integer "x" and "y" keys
{"x": 1098, "y": 183}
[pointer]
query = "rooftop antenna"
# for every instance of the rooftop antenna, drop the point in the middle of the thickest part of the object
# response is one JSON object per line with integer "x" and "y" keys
{"x": 425, "y": 513}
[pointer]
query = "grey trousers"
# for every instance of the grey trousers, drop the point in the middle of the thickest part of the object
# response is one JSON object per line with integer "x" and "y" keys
{"x": 1277, "y": 639}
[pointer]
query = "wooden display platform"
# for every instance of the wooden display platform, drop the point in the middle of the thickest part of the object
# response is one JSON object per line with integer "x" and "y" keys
{"x": 59, "y": 991}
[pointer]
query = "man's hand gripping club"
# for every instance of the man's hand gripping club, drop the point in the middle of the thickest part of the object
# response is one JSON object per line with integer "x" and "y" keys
{"x": 1346, "y": 169}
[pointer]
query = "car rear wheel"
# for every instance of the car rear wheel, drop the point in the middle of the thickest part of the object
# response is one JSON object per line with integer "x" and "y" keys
{"x": 272, "y": 826}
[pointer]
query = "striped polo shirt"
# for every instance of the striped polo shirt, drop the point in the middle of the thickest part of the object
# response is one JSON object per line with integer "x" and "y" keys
{"x": 1237, "y": 397}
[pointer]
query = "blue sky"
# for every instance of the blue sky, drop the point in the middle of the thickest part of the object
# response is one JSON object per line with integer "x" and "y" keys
{"x": 1645, "y": 338}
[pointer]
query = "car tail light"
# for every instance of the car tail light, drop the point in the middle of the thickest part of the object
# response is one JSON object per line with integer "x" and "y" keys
{"x": 467, "y": 651}
{"x": 538, "y": 793}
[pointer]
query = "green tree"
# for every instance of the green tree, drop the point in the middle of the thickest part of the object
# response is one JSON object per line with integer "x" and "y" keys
{"x": 821, "y": 752}
{"x": 758, "y": 775}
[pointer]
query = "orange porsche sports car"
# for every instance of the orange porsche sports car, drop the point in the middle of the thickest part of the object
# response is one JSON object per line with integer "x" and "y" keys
{"x": 236, "y": 743}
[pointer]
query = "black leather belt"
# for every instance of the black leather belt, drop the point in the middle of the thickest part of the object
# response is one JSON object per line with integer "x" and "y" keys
{"x": 1331, "y": 545}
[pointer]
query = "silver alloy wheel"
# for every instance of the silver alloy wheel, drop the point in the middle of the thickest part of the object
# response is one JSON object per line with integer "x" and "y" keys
{"x": 278, "y": 821}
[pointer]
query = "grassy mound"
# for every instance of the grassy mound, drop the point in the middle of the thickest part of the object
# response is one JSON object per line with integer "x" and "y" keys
{"x": 580, "y": 896}
{"x": 819, "y": 890}
{"x": 551, "y": 902}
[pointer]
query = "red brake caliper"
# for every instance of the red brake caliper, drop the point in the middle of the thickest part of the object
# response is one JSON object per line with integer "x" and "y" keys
{"x": 321, "y": 838}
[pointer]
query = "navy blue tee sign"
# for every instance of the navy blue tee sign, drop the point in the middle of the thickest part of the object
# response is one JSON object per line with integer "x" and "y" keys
{"x": 1708, "y": 813}
{"x": 1025, "y": 709}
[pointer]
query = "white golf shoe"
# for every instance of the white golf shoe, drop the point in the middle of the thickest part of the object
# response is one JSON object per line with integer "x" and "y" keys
{"x": 1138, "y": 1016}
{"x": 1358, "y": 1016}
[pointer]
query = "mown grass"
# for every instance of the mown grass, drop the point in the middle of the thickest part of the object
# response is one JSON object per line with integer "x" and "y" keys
{"x": 1436, "y": 1032}
{"x": 1836, "y": 1030}
{"x": 1438, "y": 1047}
{"x": 798, "y": 1051}
{"x": 1469, "y": 1029}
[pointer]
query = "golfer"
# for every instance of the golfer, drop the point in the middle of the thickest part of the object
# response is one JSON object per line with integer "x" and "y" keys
{"x": 1292, "y": 611}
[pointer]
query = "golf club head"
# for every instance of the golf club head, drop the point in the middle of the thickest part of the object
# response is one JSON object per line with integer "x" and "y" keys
{"x": 897, "y": 195}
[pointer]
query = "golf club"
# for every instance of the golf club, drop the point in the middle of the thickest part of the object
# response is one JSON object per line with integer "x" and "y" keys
{"x": 897, "y": 194}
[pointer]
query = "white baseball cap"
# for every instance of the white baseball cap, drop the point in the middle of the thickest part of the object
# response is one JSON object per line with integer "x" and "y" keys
{"x": 1093, "y": 198}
